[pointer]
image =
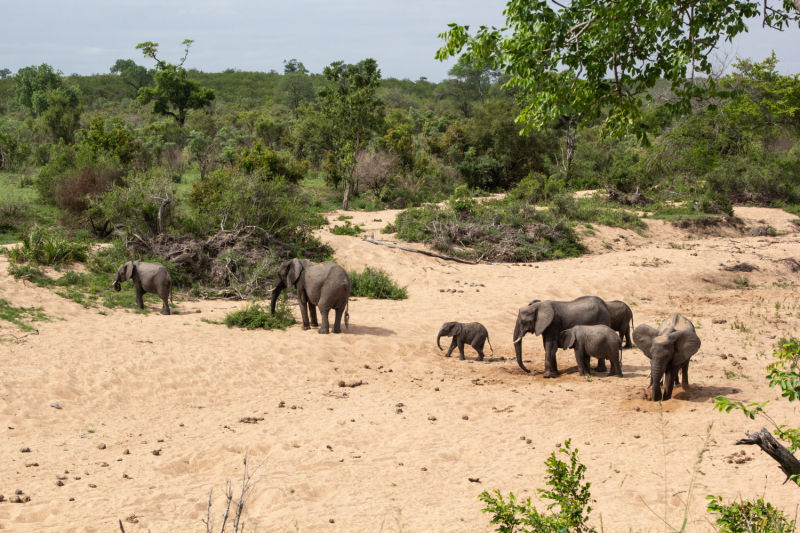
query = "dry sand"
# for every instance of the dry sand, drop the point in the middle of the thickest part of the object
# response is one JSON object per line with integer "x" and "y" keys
{"x": 140, "y": 383}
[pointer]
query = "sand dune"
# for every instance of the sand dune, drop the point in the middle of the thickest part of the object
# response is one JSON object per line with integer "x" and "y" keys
{"x": 141, "y": 383}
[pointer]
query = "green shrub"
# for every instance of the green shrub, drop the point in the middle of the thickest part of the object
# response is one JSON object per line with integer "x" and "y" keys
{"x": 376, "y": 283}
{"x": 254, "y": 316}
{"x": 48, "y": 247}
{"x": 537, "y": 189}
{"x": 347, "y": 229}
{"x": 568, "y": 493}
{"x": 749, "y": 516}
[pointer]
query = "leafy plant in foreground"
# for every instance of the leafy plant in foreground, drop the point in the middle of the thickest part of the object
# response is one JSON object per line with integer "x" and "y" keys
{"x": 49, "y": 248}
{"x": 347, "y": 229}
{"x": 749, "y": 516}
{"x": 254, "y": 316}
{"x": 376, "y": 283}
{"x": 568, "y": 492}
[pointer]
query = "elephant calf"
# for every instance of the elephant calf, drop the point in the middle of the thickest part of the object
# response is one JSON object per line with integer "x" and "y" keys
{"x": 473, "y": 334}
{"x": 669, "y": 348}
{"x": 147, "y": 277}
{"x": 621, "y": 320}
{"x": 601, "y": 342}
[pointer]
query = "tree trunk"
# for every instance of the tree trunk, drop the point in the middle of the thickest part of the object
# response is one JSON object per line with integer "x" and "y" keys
{"x": 346, "y": 196}
{"x": 165, "y": 202}
{"x": 570, "y": 145}
{"x": 787, "y": 462}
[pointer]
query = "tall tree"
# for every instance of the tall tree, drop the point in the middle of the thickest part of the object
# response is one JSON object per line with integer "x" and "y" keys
{"x": 36, "y": 87}
{"x": 353, "y": 109}
{"x": 616, "y": 51}
{"x": 174, "y": 94}
{"x": 134, "y": 75}
{"x": 4, "y": 73}
{"x": 468, "y": 83}
{"x": 295, "y": 87}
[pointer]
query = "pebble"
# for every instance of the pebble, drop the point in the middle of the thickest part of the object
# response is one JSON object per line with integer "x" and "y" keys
{"x": 55, "y": 405}
{"x": 25, "y": 449}
{"x": 28, "y": 465}
{"x": 424, "y": 469}
{"x": 103, "y": 464}
{"x": 2, "y": 498}
{"x": 465, "y": 417}
{"x": 101, "y": 446}
{"x": 432, "y": 418}
{"x": 59, "y": 483}
{"x": 331, "y": 521}
{"x": 126, "y": 452}
{"x": 157, "y": 452}
{"x": 92, "y": 486}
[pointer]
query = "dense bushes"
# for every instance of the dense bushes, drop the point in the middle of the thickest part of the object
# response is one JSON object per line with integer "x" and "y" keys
{"x": 376, "y": 283}
{"x": 49, "y": 247}
{"x": 255, "y": 316}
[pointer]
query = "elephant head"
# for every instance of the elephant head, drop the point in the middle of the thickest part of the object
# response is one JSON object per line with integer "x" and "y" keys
{"x": 666, "y": 347}
{"x": 566, "y": 339}
{"x": 449, "y": 329}
{"x": 288, "y": 275}
{"x": 532, "y": 319}
{"x": 124, "y": 273}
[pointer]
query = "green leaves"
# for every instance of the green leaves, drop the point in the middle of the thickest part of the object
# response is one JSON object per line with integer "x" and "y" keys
{"x": 601, "y": 57}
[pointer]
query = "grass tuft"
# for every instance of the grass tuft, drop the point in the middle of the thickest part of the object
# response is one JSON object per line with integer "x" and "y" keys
{"x": 376, "y": 283}
{"x": 347, "y": 229}
{"x": 21, "y": 316}
{"x": 47, "y": 247}
{"x": 255, "y": 316}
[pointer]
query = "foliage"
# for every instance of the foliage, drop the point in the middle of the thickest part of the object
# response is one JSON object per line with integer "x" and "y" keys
{"x": 255, "y": 316}
{"x": 174, "y": 93}
{"x": 21, "y": 316}
{"x": 132, "y": 204}
{"x": 347, "y": 229}
{"x": 268, "y": 164}
{"x": 591, "y": 58}
{"x": 38, "y": 87}
{"x": 376, "y": 283}
{"x": 569, "y": 493}
{"x": 749, "y": 516}
{"x": 49, "y": 247}
{"x": 115, "y": 141}
{"x": 784, "y": 373}
{"x": 134, "y": 75}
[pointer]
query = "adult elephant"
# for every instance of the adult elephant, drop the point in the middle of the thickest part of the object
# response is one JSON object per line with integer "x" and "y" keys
{"x": 147, "y": 277}
{"x": 550, "y": 318}
{"x": 669, "y": 349}
{"x": 621, "y": 320}
{"x": 324, "y": 285}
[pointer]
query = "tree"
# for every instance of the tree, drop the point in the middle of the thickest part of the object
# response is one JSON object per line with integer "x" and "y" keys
{"x": 174, "y": 94}
{"x": 4, "y": 73}
{"x": 37, "y": 87}
{"x": 134, "y": 75}
{"x": 353, "y": 109}
{"x": 295, "y": 87}
{"x": 62, "y": 115}
{"x": 468, "y": 82}
{"x": 615, "y": 52}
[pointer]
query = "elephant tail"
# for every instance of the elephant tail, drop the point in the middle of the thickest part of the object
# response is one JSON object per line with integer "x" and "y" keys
{"x": 347, "y": 315}
{"x": 490, "y": 343}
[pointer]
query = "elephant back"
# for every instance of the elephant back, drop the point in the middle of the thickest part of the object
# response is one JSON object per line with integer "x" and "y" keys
{"x": 676, "y": 322}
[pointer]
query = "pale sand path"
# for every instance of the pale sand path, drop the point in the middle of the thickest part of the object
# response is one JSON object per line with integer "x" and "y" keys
{"x": 128, "y": 381}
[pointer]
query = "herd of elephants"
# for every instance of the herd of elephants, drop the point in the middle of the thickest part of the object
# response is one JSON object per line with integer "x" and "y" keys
{"x": 588, "y": 325}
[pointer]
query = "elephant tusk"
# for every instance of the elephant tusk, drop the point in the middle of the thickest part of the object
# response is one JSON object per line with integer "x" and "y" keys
{"x": 518, "y": 340}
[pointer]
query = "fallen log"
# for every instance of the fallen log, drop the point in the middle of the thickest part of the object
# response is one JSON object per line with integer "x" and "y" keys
{"x": 788, "y": 463}
{"x": 423, "y": 252}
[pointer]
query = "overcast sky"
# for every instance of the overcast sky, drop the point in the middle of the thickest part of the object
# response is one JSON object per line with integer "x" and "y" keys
{"x": 87, "y": 36}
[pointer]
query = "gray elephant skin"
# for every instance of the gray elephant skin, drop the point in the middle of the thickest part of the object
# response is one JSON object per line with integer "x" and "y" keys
{"x": 621, "y": 320}
{"x": 473, "y": 334}
{"x": 549, "y": 318}
{"x": 324, "y": 285}
{"x": 669, "y": 348}
{"x": 147, "y": 277}
{"x": 601, "y": 342}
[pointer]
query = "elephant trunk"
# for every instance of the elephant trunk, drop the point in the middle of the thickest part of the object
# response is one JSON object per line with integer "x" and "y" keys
{"x": 518, "y": 333}
{"x": 439, "y": 336}
{"x": 276, "y": 292}
{"x": 656, "y": 373}
{"x": 117, "y": 286}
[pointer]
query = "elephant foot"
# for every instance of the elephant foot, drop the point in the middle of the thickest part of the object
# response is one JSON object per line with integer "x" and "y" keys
{"x": 337, "y": 330}
{"x": 314, "y": 325}
{"x": 305, "y": 327}
{"x": 551, "y": 373}
{"x": 165, "y": 312}
{"x": 601, "y": 368}
{"x": 323, "y": 331}
{"x": 447, "y": 355}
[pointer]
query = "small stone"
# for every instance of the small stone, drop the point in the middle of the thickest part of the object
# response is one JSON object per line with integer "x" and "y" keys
{"x": 28, "y": 465}
{"x": 474, "y": 479}
{"x": 25, "y": 449}
{"x": 522, "y": 438}
{"x": 2, "y": 498}
{"x": 436, "y": 389}
{"x": 181, "y": 424}
{"x": 55, "y": 405}
{"x": 294, "y": 407}
{"x": 92, "y": 486}
{"x": 282, "y": 404}
{"x": 529, "y": 441}
{"x": 101, "y": 446}
{"x": 723, "y": 356}
{"x": 59, "y": 483}
{"x": 464, "y": 417}
{"x": 126, "y": 476}
{"x": 558, "y": 445}
{"x": 424, "y": 469}
{"x": 331, "y": 521}
{"x": 72, "y": 499}
{"x": 18, "y": 492}
{"x": 636, "y": 436}
{"x": 77, "y": 478}
{"x": 103, "y": 464}
{"x": 15, "y": 499}
{"x": 432, "y": 418}
{"x": 157, "y": 452}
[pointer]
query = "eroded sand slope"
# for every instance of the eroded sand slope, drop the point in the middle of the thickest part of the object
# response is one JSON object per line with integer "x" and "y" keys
{"x": 130, "y": 381}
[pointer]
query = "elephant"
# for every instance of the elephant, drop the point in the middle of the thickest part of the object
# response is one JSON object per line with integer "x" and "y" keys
{"x": 601, "y": 342}
{"x": 669, "y": 348}
{"x": 473, "y": 334}
{"x": 324, "y": 285}
{"x": 147, "y": 277}
{"x": 550, "y": 318}
{"x": 621, "y": 320}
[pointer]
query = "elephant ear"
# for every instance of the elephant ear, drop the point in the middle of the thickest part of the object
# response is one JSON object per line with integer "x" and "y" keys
{"x": 544, "y": 317}
{"x": 295, "y": 269}
{"x": 129, "y": 268}
{"x": 643, "y": 337}
{"x": 568, "y": 339}
{"x": 687, "y": 343}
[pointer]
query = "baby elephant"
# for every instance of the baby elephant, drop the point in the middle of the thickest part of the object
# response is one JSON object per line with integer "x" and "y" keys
{"x": 601, "y": 342}
{"x": 147, "y": 277}
{"x": 473, "y": 334}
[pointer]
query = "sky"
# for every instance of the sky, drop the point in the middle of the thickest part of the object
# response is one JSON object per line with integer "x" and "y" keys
{"x": 88, "y": 36}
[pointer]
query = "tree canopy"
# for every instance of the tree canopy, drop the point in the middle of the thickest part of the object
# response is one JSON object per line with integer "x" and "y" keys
{"x": 174, "y": 93}
{"x": 38, "y": 87}
{"x": 602, "y": 57}
{"x": 134, "y": 75}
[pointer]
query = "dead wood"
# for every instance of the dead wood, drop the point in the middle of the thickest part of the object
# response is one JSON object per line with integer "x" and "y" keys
{"x": 634, "y": 198}
{"x": 787, "y": 462}
{"x": 423, "y": 252}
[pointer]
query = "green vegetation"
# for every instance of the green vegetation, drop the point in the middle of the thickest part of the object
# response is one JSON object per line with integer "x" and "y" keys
{"x": 347, "y": 229}
{"x": 255, "y": 316}
{"x": 376, "y": 283}
{"x": 21, "y": 316}
{"x": 47, "y": 247}
{"x": 749, "y": 516}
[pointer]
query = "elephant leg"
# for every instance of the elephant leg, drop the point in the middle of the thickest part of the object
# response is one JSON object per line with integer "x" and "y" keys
{"x": 460, "y": 349}
{"x": 312, "y": 315}
{"x": 616, "y": 368}
{"x": 628, "y": 341}
{"x": 479, "y": 348}
{"x": 303, "y": 310}
{"x": 337, "y": 320}
{"x": 139, "y": 294}
{"x": 685, "y": 376}
{"x": 550, "y": 362}
{"x": 581, "y": 361}
{"x": 324, "y": 328}
{"x": 452, "y": 347}
{"x": 165, "y": 308}
{"x": 601, "y": 365}
{"x": 669, "y": 383}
